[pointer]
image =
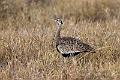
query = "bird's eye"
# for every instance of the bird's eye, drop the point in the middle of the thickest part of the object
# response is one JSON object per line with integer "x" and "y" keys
{"x": 57, "y": 19}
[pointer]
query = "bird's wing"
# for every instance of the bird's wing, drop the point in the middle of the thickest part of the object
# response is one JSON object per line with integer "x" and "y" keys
{"x": 66, "y": 49}
{"x": 72, "y": 45}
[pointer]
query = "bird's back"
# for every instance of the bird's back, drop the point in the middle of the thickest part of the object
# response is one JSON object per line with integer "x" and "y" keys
{"x": 69, "y": 45}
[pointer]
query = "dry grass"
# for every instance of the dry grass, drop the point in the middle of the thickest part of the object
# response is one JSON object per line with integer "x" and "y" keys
{"x": 27, "y": 48}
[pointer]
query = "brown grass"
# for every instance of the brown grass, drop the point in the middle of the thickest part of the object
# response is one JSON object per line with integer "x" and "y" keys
{"x": 27, "y": 48}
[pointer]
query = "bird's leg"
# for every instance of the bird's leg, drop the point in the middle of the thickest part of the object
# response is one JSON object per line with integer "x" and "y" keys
{"x": 74, "y": 59}
{"x": 64, "y": 71}
{"x": 64, "y": 60}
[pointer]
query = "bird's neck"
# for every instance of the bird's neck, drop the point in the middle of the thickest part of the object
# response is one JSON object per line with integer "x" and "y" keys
{"x": 58, "y": 35}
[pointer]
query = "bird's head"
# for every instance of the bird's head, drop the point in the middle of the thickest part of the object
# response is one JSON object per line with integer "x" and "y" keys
{"x": 58, "y": 21}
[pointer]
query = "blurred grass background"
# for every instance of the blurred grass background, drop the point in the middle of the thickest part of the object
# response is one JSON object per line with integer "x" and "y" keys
{"x": 27, "y": 48}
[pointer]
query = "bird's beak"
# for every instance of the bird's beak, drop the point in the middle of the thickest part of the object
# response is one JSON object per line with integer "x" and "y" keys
{"x": 53, "y": 19}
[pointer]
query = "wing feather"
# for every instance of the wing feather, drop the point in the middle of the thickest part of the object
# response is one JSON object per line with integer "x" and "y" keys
{"x": 69, "y": 45}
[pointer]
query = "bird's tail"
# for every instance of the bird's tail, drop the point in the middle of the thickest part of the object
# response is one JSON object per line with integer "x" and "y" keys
{"x": 93, "y": 50}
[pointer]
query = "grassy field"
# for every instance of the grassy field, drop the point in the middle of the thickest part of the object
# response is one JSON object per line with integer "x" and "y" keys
{"x": 27, "y": 48}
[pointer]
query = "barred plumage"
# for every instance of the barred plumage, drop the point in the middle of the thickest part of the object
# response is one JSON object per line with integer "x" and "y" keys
{"x": 70, "y": 46}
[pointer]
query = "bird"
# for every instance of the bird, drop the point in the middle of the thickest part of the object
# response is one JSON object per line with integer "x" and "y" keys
{"x": 69, "y": 46}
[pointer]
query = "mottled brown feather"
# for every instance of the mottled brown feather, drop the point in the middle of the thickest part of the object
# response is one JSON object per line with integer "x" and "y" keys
{"x": 69, "y": 45}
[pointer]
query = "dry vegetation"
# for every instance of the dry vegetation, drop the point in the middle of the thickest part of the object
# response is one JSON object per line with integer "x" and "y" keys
{"x": 27, "y": 48}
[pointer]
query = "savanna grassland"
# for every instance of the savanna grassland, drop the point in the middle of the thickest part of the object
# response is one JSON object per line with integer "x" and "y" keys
{"x": 27, "y": 48}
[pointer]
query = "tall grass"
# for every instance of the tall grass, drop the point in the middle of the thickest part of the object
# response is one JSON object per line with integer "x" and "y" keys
{"x": 27, "y": 48}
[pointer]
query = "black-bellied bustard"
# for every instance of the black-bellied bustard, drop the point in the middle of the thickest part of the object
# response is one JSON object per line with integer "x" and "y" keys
{"x": 69, "y": 46}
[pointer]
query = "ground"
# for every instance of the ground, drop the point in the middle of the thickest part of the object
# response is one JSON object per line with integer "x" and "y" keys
{"x": 27, "y": 48}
